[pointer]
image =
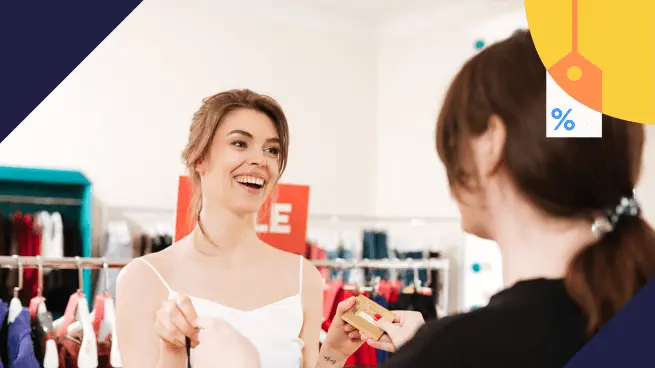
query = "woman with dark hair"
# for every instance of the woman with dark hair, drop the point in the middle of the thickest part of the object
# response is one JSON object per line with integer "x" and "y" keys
{"x": 575, "y": 247}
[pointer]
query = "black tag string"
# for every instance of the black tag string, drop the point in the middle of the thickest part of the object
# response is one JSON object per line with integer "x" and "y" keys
{"x": 188, "y": 351}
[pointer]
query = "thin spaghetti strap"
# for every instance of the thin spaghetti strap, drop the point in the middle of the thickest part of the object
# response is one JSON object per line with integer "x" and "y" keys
{"x": 300, "y": 274}
{"x": 156, "y": 273}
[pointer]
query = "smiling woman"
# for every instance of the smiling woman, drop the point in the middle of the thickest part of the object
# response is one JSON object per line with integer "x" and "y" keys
{"x": 237, "y": 150}
{"x": 231, "y": 123}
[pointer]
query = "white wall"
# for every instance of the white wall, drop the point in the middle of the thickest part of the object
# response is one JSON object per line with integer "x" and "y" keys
{"x": 418, "y": 57}
{"x": 122, "y": 116}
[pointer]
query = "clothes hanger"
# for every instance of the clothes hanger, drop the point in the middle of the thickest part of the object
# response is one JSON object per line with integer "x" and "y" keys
{"x": 412, "y": 287}
{"x": 78, "y": 308}
{"x": 104, "y": 318}
{"x": 15, "y": 306}
{"x": 416, "y": 286}
{"x": 39, "y": 310}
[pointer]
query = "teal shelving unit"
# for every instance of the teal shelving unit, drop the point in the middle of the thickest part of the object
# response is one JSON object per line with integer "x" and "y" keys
{"x": 67, "y": 192}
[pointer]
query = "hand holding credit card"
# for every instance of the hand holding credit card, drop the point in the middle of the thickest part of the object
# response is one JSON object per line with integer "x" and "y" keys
{"x": 363, "y": 315}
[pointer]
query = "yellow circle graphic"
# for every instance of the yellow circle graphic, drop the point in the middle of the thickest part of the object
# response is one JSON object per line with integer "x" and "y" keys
{"x": 601, "y": 52}
{"x": 574, "y": 73}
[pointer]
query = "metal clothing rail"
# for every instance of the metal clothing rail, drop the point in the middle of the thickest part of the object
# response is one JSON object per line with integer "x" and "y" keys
{"x": 97, "y": 263}
{"x": 61, "y": 263}
{"x": 416, "y": 220}
{"x": 80, "y": 263}
{"x": 40, "y": 200}
{"x": 335, "y": 218}
{"x": 386, "y": 264}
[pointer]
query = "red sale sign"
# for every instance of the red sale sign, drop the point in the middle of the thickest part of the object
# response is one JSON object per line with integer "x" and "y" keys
{"x": 281, "y": 222}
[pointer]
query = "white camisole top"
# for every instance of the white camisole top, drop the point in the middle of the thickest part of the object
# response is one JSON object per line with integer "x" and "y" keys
{"x": 274, "y": 329}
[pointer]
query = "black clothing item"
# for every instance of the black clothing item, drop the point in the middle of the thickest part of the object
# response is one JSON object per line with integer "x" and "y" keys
{"x": 4, "y": 337}
{"x": 161, "y": 242}
{"x": 417, "y": 302}
{"x": 435, "y": 280}
{"x": 6, "y": 240}
{"x": 59, "y": 285}
{"x": 41, "y": 327}
{"x": 144, "y": 244}
{"x": 531, "y": 324}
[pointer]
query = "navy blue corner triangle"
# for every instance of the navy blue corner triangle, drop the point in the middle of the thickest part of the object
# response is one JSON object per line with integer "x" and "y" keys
{"x": 627, "y": 340}
{"x": 41, "y": 42}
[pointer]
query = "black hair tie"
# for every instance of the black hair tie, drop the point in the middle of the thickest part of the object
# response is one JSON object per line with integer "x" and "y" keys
{"x": 188, "y": 351}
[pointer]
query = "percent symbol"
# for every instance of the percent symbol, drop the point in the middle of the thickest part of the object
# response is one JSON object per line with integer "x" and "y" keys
{"x": 557, "y": 114}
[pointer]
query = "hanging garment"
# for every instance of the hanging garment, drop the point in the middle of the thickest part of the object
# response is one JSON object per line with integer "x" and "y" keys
{"x": 5, "y": 247}
{"x": 390, "y": 290}
{"x": 119, "y": 246}
{"x": 161, "y": 242}
{"x": 17, "y": 238}
{"x": 144, "y": 245}
{"x": 41, "y": 331}
{"x": 104, "y": 327}
{"x": 381, "y": 252}
{"x": 318, "y": 253}
{"x": 381, "y": 354}
{"x": 52, "y": 235}
{"x": 417, "y": 302}
{"x": 73, "y": 348}
{"x": 435, "y": 280}
{"x": 19, "y": 342}
{"x": 365, "y": 356}
{"x": 340, "y": 253}
{"x": 274, "y": 329}
{"x": 30, "y": 246}
{"x": 408, "y": 275}
{"x": 331, "y": 294}
{"x": 375, "y": 247}
{"x": 61, "y": 284}
{"x": 4, "y": 355}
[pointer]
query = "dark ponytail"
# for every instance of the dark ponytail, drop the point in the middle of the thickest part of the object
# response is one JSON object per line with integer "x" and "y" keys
{"x": 604, "y": 276}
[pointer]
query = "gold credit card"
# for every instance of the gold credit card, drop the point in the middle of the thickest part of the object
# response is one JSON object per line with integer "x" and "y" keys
{"x": 363, "y": 315}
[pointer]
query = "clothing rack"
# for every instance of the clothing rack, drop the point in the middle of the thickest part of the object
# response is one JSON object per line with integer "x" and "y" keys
{"x": 44, "y": 201}
{"x": 96, "y": 263}
{"x": 414, "y": 220}
{"x": 141, "y": 210}
{"x": 336, "y": 218}
{"x": 61, "y": 263}
{"x": 84, "y": 263}
{"x": 386, "y": 264}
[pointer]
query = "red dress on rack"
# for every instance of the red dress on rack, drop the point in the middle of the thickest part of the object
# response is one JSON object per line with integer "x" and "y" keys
{"x": 28, "y": 245}
{"x": 365, "y": 356}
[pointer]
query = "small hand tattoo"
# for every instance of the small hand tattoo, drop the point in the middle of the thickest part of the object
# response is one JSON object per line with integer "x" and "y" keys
{"x": 330, "y": 360}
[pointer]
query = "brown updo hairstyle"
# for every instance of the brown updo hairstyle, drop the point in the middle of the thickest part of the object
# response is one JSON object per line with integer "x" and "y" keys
{"x": 566, "y": 178}
{"x": 208, "y": 118}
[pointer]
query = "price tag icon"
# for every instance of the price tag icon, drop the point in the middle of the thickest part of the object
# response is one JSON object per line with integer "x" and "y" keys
{"x": 574, "y": 94}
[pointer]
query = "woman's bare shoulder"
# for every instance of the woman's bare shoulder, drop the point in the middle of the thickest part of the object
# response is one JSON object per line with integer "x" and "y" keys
{"x": 312, "y": 278}
{"x": 149, "y": 272}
